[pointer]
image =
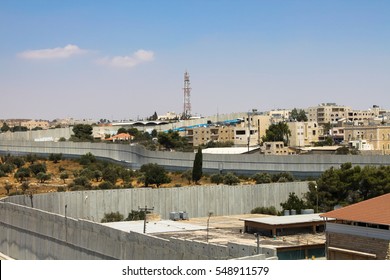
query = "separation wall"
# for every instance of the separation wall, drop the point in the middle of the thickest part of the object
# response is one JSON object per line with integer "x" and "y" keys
{"x": 134, "y": 157}
{"x": 197, "y": 201}
{"x": 27, "y": 233}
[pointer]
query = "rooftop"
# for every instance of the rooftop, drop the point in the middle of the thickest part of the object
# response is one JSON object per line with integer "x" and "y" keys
{"x": 373, "y": 211}
{"x": 287, "y": 220}
{"x": 162, "y": 226}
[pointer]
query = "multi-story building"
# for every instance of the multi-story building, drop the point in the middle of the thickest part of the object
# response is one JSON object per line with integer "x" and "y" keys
{"x": 377, "y": 135}
{"x": 204, "y": 134}
{"x": 304, "y": 133}
{"x": 327, "y": 113}
{"x": 359, "y": 117}
{"x": 279, "y": 115}
{"x": 258, "y": 124}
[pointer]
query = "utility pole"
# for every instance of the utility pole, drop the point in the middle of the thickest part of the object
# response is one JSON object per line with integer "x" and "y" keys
{"x": 208, "y": 223}
{"x": 144, "y": 209}
{"x": 257, "y": 235}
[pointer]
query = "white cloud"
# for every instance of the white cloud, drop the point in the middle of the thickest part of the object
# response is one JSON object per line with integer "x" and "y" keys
{"x": 136, "y": 58}
{"x": 65, "y": 52}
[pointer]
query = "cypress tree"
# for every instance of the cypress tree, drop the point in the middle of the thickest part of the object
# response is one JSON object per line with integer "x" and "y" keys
{"x": 197, "y": 168}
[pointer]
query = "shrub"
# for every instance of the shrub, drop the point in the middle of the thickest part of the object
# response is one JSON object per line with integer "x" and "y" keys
{"x": 136, "y": 215}
{"x": 60, "y": 189}
{"x": 37, "y": 168}
{"x": 262, "y": 178}
{"x": 106, "y": 185}
{"x": 112, "y": 217}
{"x": 55, "y": 157}
{"x": 216, "y": 179}
{"x": 265, "y": 210}
{"x": 230, "y": 179}
{"x": 7, "y": 167}
{"x": 288, "y": 177}
{"x": 42, "y": 177}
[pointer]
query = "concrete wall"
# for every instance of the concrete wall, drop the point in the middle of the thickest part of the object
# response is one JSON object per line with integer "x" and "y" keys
{"x": 135, "y": 156}
{"x": 27, "y": 233}
{"x": 32, "y": 135}
{"x": 197, "y": 201}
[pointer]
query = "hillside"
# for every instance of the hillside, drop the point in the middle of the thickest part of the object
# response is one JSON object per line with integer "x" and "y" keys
{"x": 70, "y": 166}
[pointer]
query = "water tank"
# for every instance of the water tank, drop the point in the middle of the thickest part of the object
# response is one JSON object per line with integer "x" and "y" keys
{"x": 286, "y": 213}
{"x": 174, "y": 216}
{"x": 293, "y": 212}
{"x": 307, "y": 211}
{"x": 184, "y": 216}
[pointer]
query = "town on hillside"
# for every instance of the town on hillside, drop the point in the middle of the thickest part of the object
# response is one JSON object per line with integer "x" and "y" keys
{"x": 326, "y": 128}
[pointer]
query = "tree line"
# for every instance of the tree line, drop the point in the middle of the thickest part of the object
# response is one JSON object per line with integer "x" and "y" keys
{"x": 341, "y": 187}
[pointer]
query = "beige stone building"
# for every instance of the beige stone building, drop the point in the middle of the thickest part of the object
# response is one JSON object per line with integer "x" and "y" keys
{"x": 202, "y": 135}
{"x": 303, "y": 134}
{"x": 275, "y": 148}
{"x": 258, "y": 124}
{"x": 378, "y": 136}
{"x": 362, "y": 116}
{"x": 279, "y": 115}
{"x": 327, "y": 113}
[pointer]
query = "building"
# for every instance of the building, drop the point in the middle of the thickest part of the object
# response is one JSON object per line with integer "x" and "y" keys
{"x": 361, "y": 230}
{"x": 169, "y": 116}
{"x": 103, "y": 131}
{"x": 201, "y": 135}
{"x": 275, "y": 148}
{"x": 34, "y": 124}
{"x": 328, "y": 113}
{"x": 303, "y": 134}
{"x": 120, "y": 137}
{"x": 359, "y": 116}
{"x": 378, "y": 136}
{"x": 360, "y": 145}
{"x": 285, "y": 225}
{"x": 279, "y": 115}
{"x": 258, "y": 124}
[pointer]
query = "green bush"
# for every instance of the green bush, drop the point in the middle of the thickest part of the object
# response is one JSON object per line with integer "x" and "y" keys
{"x": 265, "y": 210}
{"x": 136, "y": 215}
{"x": 230, "y": 179}
{"x": 262, "y": 178}
{"x": 106, "y": 185}
{"x": 112, "y": 217}
{"x": 216, "y": 179}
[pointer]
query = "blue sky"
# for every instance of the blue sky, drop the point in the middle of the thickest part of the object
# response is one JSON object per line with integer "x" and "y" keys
{"x": 126, "y": 59}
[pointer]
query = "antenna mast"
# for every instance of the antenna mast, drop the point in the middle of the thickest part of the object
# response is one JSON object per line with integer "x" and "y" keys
{"x": 187, "y": 96}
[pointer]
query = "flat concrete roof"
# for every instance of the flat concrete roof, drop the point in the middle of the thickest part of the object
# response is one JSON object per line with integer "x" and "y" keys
{"x": 286, "y": 220}
{"x": 154, "y": 226}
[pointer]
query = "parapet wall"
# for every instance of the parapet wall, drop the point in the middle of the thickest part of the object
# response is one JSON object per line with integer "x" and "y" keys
{"x": 197, "y": 201}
